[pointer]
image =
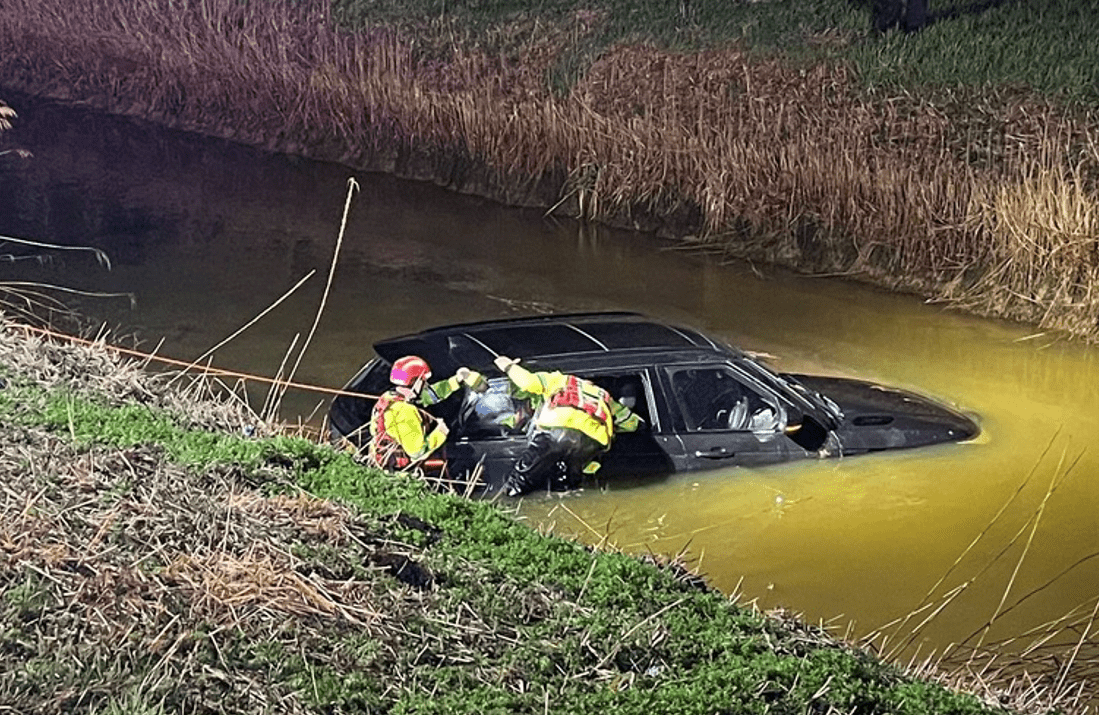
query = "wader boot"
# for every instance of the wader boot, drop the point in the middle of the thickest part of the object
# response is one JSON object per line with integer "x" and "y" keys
{"x": 553, "y": 460}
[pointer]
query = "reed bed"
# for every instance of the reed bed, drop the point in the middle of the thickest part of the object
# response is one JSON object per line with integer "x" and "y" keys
{"x": 1053, "y": 664}
{"x": 984, "y": 201}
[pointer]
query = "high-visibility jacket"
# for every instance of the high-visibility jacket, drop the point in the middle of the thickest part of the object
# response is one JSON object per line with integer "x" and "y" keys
{"x": 436, "y": 392}
{"x": 399, "y": 429}
{"x": 399, "y": 433}
{"x": 572, "y": 402}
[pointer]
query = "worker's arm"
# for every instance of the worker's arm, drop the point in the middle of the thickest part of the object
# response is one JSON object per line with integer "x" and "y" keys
{"x": 625, "y": 419}
{"x": 523, "y": 379}
{"x": 436, "y": 392}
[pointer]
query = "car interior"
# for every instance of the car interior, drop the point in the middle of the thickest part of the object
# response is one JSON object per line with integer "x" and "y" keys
{"x": 712, "y": 398}
{"x": 495, "y": 413}
{"x": 628, "y": 389}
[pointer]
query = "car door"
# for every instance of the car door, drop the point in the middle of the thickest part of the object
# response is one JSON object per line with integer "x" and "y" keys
{"x": 722, "y": 417}
{"x": 641, "y": 453}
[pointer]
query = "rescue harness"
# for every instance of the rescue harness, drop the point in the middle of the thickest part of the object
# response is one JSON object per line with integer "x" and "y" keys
{"x": 385, "y": 451}
{"x": 585, "y": 396}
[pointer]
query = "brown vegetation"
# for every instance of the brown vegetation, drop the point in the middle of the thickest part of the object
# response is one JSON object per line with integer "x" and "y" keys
{"x": 131, "y": 583}
{"x": 988, "y": 202}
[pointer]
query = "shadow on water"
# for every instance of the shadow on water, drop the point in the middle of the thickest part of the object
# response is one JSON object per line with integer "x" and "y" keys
{"x": 206, "y": 235}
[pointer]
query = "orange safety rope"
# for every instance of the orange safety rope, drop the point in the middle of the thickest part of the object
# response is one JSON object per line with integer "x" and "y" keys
{"x": 433, "y": 463}
{"x": 180, "y": 363}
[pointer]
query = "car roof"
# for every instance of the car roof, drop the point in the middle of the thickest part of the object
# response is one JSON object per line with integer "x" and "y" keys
{"x": 534, "y": 338}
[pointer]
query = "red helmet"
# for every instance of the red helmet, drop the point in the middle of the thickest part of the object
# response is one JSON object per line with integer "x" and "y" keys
{"x": 409, "y": 369}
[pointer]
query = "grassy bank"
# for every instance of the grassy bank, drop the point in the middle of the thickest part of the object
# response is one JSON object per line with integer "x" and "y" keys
{"x": 160, "y": 551}
{"x": 959, "y": 162}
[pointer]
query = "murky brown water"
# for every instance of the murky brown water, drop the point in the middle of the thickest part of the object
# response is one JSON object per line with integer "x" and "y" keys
{"x": 207, "y": 235}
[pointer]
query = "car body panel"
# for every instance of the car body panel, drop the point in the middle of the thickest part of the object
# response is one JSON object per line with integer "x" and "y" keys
{"x": 877, "y": 417}
{"x": 705, "y": 404}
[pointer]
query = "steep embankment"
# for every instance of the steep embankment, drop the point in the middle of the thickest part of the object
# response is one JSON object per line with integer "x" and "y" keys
{"x": 160, "y": 551}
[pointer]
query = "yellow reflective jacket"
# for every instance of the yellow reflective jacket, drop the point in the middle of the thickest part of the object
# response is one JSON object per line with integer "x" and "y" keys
{"x": 562, "y": 400}
{"x": 436, "y": 392}
{"x": 395, "y": 423}
{"x": 398, "y": 431}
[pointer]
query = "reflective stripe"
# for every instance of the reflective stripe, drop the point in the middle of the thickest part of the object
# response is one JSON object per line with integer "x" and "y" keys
{"x": 582, "y": 405}
{"x": 566, "y": 401}
{"x": 572, "y": 418}
{"x": 383, "y": 447}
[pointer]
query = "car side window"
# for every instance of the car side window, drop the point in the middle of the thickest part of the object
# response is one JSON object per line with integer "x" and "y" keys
{"x": 713, "y": 397}
{"x": 630, "y": 390}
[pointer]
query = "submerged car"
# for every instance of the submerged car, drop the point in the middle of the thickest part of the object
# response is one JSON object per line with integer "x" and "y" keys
{"x": 705, "y": 404}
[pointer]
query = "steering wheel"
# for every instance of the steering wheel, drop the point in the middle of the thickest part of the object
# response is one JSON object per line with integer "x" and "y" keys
{"x": 728, "y": 410}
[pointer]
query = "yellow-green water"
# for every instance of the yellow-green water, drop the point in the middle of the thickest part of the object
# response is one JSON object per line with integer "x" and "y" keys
{"x": 207, "y": 236}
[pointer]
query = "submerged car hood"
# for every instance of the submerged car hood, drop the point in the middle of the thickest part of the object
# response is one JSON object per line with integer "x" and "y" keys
{"x": 876, "y": 417}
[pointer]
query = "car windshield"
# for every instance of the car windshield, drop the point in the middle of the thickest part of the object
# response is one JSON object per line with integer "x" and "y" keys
{"x": 789, "y": 385}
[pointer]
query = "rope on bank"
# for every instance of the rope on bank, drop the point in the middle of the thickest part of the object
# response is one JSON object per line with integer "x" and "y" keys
{"x": 218, "y": 372}
{"x": 432, "y": 470}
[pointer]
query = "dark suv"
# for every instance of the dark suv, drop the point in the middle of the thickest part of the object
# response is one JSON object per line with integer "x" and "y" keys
{"x": 705, "y": 404}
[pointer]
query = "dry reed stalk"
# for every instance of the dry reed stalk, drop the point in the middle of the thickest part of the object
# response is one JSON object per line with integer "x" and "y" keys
{"x": 898, "y": 626}
{"x": 210, "y": 351}
{"x": 271, "y": 400}
{"x": 268, "y": 582}
{"x": 1043, "y": 250}
{"x": 132, "y": 559}
{"x": 791, "y": 166}
{"x": 1055, "y": 482}
{"x": 352, "y": 187}
{"x": 1044, "y": 667}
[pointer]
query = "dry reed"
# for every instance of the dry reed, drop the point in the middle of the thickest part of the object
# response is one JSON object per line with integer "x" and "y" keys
{"x": 129, "y": 580}
{"x": 1049, "y": 666}
{"x": 983, "y": 201}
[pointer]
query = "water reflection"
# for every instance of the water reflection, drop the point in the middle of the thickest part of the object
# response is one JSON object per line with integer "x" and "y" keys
{"x": 206, "y": 235}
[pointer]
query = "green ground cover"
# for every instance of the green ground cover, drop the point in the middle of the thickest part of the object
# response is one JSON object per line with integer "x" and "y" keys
{"x": 180, "y": 565}
{"x": 1046, "y": 47}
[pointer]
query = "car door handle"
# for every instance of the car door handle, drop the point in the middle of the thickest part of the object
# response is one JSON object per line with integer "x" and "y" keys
{"x": 715, "y": 453}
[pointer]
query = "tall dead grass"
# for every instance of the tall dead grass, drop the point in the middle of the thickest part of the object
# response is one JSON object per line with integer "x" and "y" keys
{"x": 985, "y": 200}
{"x": 1041, "y": 243}
{"x": 1050, "y": 666}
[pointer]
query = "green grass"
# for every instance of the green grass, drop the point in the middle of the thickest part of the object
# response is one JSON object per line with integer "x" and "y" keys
{"x": 578, "y": 631}
{"x": 1047, "y": 47}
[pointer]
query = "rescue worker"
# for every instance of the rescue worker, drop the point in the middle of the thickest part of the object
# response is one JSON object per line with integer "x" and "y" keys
{"x": 574, "y": 422}
{"x": 402, "y": 434}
